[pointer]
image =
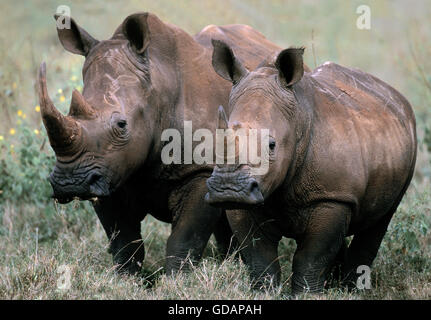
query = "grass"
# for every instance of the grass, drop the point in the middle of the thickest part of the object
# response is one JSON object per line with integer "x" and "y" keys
{"x": 30, "y": 264}
{"x": 37, "y": 237}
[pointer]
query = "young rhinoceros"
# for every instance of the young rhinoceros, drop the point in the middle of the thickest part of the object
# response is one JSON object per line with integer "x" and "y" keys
{"x": 342, "y": 151}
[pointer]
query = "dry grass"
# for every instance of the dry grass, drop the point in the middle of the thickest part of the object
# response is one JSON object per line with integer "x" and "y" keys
{"x": 29, "y": 267}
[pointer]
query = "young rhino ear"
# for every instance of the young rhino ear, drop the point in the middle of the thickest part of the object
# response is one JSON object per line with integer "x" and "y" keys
{"x": 136, "y": 30}
{"x": 75, "y": 39}
{"x": 225, "y": 63}
{"x": 290, "y": 66}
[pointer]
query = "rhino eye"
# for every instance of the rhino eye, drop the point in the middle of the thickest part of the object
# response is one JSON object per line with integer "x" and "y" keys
{"x": 272, "y": 144}
{"x": 122, "y": 124}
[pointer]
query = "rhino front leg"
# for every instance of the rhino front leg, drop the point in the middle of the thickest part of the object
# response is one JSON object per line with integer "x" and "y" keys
{"x": 124, "y": 232}
{"x": 194, "y": 222}
{"x": 226, "y": 242}
{"x": 318, "y": 247}
{"x": 258, "y": 240}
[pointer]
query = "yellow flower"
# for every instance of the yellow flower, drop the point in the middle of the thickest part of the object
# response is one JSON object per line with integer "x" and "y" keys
{"x": 73, "y": 78}
{"x": 36, "y": 131}
{"x": 12, "y": 146}
{"x": 24, "y": 116}
{"x": 1, "y": 138}
{"x": 12, "y": 131}
{"x": 60, "y": 91}
{"x": 79, "y": 88}
{"x": 37, "y": 108}
{"x": 62, "y": 98}
{"x": 19, "y": 113}
{"x": 19, "y": 122}
{"x": 14, "y": 85}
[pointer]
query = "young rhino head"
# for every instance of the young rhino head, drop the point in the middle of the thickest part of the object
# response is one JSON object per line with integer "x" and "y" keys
{"x": 260, "y": 100}
{"x": 109, "y": 130}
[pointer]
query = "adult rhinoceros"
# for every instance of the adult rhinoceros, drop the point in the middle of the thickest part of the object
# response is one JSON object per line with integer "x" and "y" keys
{"x": 341, "y": 150}
{"x": 149, "y": 76}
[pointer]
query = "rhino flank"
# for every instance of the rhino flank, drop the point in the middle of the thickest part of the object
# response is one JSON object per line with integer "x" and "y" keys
{"x": 342, "y": 151}
{"x": 147, "y": 77}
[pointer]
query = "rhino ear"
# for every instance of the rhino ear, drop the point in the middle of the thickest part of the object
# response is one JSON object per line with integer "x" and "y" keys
{"x": 136, "y": 30}
{"x": 225, "y": 63}
{"x": 73, "y": 38}
{"x": 290, "y": 66}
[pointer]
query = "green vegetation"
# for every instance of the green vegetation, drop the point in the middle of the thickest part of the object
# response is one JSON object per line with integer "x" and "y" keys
{"x": 37, "y": 236}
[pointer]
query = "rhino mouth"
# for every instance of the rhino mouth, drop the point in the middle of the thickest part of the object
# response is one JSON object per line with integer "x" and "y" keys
{"x": 64, "y": 200}
{"x": 66, "y": 189}
{"x": 233, "y": 190}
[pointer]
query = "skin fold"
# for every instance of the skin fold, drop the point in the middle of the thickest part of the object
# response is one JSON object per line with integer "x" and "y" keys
{"x": 342, "y": 153}
{"x": 148, "y": 77}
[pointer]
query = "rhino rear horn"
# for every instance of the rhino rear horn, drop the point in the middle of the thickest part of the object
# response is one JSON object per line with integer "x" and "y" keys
{"x": 80, "y": 108}
{"x": 62, "y": 131}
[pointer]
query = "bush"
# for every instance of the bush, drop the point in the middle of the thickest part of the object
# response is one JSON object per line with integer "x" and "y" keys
{"x": 24, "y": 168}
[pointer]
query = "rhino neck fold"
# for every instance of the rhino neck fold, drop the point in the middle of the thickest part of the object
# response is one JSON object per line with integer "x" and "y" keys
{"x": 304, "y": 128}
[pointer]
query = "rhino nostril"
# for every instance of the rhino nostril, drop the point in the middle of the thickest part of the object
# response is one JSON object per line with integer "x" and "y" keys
{"x": 272, "y": 145}
{"x": 253, "y": 185}
{"x": 255, "y": 195}
{"x": 93, "y": 178}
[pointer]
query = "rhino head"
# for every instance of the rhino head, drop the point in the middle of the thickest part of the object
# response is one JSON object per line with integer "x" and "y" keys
{"x": 109, "y": 131}
{"x": 261, "y": 99}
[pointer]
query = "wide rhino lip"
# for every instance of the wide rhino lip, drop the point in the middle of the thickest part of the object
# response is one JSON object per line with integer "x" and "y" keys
{"x": 233, "y": 190}
{"x": 65, "y": 200}
{"x": 92, "y": 186}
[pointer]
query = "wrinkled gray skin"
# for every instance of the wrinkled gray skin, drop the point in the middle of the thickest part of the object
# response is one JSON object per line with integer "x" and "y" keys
{"x": 149, "y": 76}
{"x": 342, "y": 154}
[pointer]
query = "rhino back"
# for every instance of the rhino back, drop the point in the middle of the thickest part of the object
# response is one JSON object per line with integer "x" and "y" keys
{"x": 362, "y": 148}
{"x": 249, "y": 45}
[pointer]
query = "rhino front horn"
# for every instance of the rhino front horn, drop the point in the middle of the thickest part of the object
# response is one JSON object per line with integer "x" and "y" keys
{"x": 62, "y": 131}
{"x": 222, "y": 122}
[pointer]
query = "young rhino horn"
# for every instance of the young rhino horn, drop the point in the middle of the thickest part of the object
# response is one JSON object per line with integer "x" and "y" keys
{"x": 222, "y": 122}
